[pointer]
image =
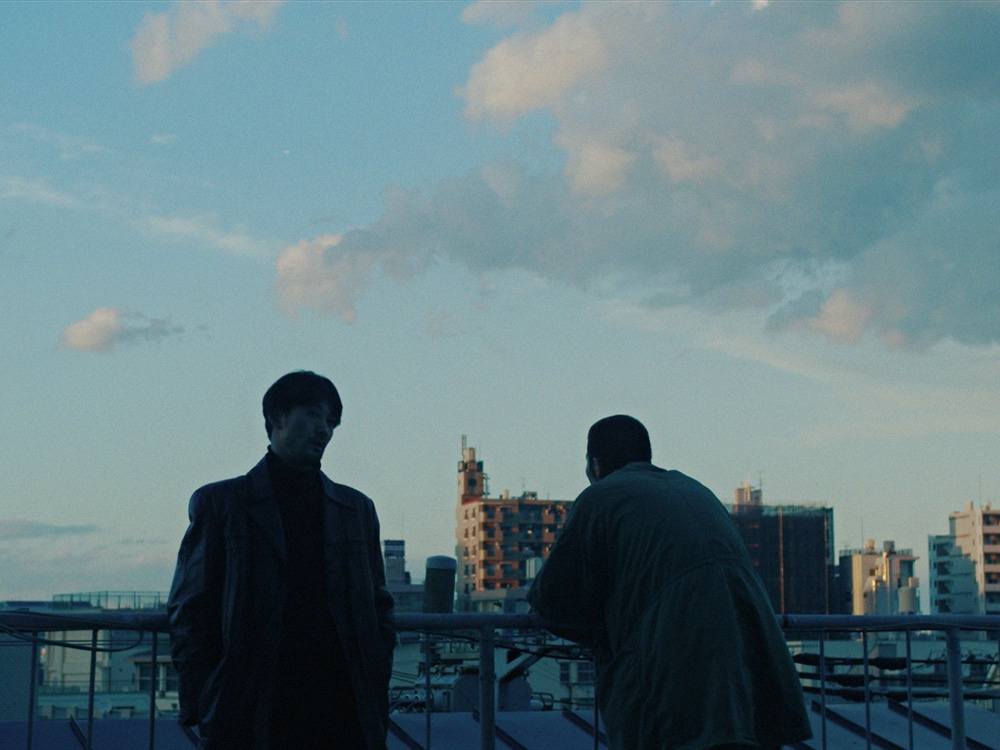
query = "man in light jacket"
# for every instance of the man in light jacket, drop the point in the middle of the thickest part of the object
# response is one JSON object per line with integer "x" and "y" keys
{"x": 281, "y": 624}
{"x": 650, "y": 572}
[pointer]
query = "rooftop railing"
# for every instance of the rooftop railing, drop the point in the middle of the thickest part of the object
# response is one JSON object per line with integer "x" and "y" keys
{"x": 864, "y": 679}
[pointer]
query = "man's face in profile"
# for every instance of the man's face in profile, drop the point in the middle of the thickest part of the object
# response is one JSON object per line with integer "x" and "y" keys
{"x": 300, "y": 436}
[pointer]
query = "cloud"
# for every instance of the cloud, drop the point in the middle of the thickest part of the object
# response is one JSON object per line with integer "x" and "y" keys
{"x": 37, "y": 192}
{"x": 168, "y": 41}
{"x": 443, "y": 325}
{"x": 202, "y": 230}
{"x": 312, "y": 274}
{"x": 70, "y": 147}
{"x": 532, "y": 71}
{"x": 505, "y": 14}
{"x": 24, "y": 529}
{"x": 831, "y": 165}
{"x": 34, "y": 568}
{"x": 107, "y": 327}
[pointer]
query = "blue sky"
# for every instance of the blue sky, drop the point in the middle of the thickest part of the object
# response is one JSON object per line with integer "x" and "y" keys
{"x": 768, "y": 230}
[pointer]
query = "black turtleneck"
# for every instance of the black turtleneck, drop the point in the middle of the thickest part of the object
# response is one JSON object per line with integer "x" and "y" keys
{"x": 300, "y": 502}
{"x": 314, "y": 705}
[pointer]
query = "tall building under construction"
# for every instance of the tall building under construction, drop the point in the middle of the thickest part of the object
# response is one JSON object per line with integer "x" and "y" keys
{"x": 791, "y": 547}
{"x": 498, "y": 537}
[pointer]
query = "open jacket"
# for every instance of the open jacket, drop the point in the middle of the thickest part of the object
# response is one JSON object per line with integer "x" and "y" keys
{"x": 651, "y": 573}
{"x": 226, "y": 608}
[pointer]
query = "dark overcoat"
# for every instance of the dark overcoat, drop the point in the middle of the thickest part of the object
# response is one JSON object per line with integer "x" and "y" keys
{"x": 688, "y": 652}
{"x": 227, "y": 602}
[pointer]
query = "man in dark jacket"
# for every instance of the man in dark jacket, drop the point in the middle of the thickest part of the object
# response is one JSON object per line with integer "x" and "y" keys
{"x": 651, "y": 573}
{"x": 281, "y": 625}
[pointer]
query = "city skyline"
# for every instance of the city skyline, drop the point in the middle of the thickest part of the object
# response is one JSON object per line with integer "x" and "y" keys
{"x": 767, "y": 230}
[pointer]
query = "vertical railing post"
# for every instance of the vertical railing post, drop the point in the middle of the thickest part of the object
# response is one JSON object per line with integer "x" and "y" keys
{"x": 597, "y": 719}
{"x": 868, "y": 694}
{"x": 93, "y": 686}
{"x": 155, "y": 670}
{"x": 487, "y": 700}
{"x": 909, "y": 688}
{"x": 822, "y": 687}
{"x": 428, "y": 703}
{"x": 31, "y": 690}
{"x": 955, "y": 697}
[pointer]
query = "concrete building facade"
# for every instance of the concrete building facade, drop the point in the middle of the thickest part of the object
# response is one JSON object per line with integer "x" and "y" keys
{"x": 408, "y": 596}
{"x": 965, "y": 563}
{"x": 497, "y": 536}
{"x": 879, "y": 581}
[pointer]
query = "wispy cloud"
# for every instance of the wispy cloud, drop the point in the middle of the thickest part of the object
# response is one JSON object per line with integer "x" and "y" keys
{"x": 714, "y": 150}
{"x": 203, "y": 231}
{"x": 896, "y": 393}
{"x": 36, "y": 569}
{"x": 23, "y": 529}
{"x": 505, "y": 14}
{"x": 443, "y": 325}
{"x": 106, "y": 327}
{"x": 37, "y": 192}
{"x": 170, "y": 40}
{"x": 70, "y": 147}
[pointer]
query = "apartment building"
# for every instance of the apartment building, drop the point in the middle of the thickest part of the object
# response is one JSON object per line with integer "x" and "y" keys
{"x": 965, "y": 563}
{"x": 496, "y": 537}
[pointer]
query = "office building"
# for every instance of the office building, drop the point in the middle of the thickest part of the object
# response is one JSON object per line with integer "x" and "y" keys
{"x": 965, "y": 563}
{"x": 497, "y": 536}
{"x": 791, "y": 547}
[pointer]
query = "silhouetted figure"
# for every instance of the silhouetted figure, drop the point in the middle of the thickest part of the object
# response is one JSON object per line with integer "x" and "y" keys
{"x": 651, "y": 573}
{"x": 281, "y": 625}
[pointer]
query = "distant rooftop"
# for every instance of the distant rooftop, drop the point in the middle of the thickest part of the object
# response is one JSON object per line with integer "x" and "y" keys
{"x": 114, "y": 599}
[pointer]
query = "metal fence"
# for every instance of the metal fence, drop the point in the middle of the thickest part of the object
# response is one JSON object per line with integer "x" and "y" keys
{"x": 493, "y": 630}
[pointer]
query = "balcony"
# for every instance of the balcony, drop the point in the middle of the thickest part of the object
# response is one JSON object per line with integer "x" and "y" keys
{"x": 490, "y": 553}
{"x": 869, "y": 681}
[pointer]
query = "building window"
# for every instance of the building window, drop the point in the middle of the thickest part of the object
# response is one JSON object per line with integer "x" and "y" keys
{"x": 585, "y": 672}
{"x": 166, "y": 677}
{"x": 564, "y": 677}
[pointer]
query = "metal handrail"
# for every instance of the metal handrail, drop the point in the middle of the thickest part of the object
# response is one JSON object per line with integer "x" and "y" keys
{"x": 486, "y": 624}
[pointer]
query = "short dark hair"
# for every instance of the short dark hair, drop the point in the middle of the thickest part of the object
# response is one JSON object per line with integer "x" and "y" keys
{"x": 300, "y": 388}
{"x": 618, "y": 440}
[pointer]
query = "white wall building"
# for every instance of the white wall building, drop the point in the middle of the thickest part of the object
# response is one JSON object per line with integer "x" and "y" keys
{"x": 965, "y": 563}
{"x": 880, "y": 581}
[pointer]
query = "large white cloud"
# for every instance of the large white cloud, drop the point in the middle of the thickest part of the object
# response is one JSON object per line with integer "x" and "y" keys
{"x": 106, "y": 327}
{"x": 311, "y": 275}
{"x": 168, "y": 41}
{"x": 832, "y": 163}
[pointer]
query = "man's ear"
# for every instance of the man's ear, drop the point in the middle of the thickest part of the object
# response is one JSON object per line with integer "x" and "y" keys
{"x": 594, "y": 467}
{"x": 277, "y": 419}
